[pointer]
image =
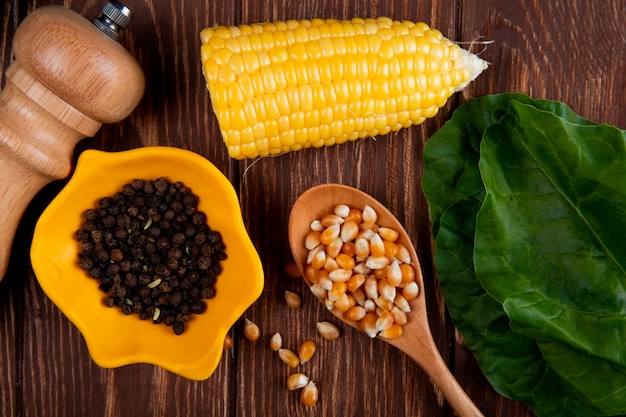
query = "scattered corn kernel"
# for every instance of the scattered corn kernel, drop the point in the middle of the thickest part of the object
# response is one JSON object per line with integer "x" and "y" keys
{"x": 276, "y": 342}
{"x": 309, "y": 394}
{"x": 297, "y": 381}
{"x": 328, "y": 330}
{"x": 289, "y": 357}
{"x": 228, "y": 342}
{"x": 292, "y": 299}
{"x": 251, "y": 331}
{"x": 307, "y": 349}
{"x": 291, "y": 269}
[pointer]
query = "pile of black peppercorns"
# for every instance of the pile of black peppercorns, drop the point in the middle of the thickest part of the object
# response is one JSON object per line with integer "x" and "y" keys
{"x": 152, "y": 251}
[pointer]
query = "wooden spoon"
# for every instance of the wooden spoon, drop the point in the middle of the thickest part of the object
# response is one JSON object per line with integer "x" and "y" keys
{"x": 417, "y": 341}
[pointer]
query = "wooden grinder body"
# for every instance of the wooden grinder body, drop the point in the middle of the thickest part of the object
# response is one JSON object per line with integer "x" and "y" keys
{"x": 67, "y": 79}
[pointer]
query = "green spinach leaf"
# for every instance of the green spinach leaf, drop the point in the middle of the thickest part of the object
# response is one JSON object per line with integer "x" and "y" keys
{"x": 549, "y": 245}
{"x": 514, "y": 362}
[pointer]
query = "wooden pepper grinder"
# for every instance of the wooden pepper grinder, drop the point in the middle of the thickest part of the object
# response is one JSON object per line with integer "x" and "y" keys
{"x": 69, "y": 77}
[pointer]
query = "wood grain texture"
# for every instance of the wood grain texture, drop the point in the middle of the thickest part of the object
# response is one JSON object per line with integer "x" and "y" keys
{"x": 565, "y": 50}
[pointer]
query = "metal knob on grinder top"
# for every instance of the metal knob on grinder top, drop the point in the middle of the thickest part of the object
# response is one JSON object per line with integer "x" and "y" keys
{"x": 69, "y": 77}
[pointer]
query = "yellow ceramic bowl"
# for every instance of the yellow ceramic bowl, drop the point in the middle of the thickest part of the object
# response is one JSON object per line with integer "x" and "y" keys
{"x": 114, "y": 339}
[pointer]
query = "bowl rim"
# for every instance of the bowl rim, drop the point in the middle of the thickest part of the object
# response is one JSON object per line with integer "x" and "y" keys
{"x": 55, "y": 265}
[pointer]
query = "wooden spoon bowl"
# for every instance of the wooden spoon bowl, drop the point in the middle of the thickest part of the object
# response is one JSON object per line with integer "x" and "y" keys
{"x": 417, "y": 341}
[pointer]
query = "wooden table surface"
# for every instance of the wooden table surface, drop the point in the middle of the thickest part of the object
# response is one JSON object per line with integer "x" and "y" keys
{"x": 568, "y": 50}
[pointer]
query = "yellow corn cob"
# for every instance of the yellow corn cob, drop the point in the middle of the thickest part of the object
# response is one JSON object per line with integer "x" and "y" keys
{"x": 283, "y": 86}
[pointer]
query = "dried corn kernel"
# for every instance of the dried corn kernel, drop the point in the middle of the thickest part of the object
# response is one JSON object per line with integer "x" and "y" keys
{"x": 337, "y": 291}
{"x": 362, "y": 248}
{"x": 394, "y": 273}
{"x": 292, "y": 299}
{"x": 228, "y": 342}
{"x": 355, "y": 215}
{"x": 340, "y": 275}
{"x": 330, "y": 233}
{"x": 276, "y": 342}
{"x": 331, "y": 220}
{"x": 369, "y": 215}
{"x": 384, "y": 321}
{"x": 392, "y": 332}
{"x": 309, "y": 394}
{"x": 355, "y": 282}
{"x": 348, "y": 248}
{"x": 297, "y": 381}
{"x": 399, "y": 316}
{"x": 345, "y": 262}
{"x": 334, "y": 248}
{"x": 289, "y": 357}
{"x": 403, "y": 253}
{"x": 307, "y": 349}
{"x": 328, "y": 330}
{"x": 251, "y": 331}
{"x": 389, "y": 234}
{"x": 344, "y": 303}
{"x": 291, "y": 269}
{"x": 312, "y": 239}
{"x": 349, "y": 231}
{"x": 410, "y": 290}
{"x": 355, "y": 313}
{"x": 368, "y": 324}
{"x": 408, "y": 273}
{"x": 342, "y": 210}
{"x": 402, "y": 303}
{"x": 377, "y": 247}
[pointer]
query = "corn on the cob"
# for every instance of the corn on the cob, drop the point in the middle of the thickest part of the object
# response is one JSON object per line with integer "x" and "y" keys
{"x": 284, "y": 86}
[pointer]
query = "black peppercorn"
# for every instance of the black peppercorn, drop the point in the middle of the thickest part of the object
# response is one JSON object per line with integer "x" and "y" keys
{"x": 85, "y": 263}
{"x": 147, "y": 246}
{"x": 178, "y": 328}
{"x": 117, "y": 255}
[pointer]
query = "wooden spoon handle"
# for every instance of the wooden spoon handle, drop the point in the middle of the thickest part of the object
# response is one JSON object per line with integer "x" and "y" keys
{"x": 458, "y": 399}
{"x": 423, "y": 350}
